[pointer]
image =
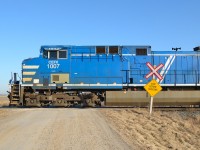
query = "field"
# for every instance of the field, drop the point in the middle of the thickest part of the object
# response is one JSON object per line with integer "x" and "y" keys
{"x": 4, "y": 101}
{"x": 97, "y": 128}
{"x": 162, "y": 130}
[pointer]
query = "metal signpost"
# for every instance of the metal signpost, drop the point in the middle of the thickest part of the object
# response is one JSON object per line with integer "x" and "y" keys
{"x": 153, "y": 87}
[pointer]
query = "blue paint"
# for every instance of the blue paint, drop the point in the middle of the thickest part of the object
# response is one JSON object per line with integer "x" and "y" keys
{"x": 111, "y": 71}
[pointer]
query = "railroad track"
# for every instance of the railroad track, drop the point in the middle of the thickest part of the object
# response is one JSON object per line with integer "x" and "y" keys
{"x": 174, "y": 108}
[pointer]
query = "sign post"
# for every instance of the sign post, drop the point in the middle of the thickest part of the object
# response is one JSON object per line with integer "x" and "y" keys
{"x": 153, "y": 87}
{"x": 151, "y": 105}
{"x": 151, "y": 102}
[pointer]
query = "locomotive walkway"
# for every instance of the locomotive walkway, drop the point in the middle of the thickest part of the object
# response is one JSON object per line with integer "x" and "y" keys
{"x": 46, "y": 128}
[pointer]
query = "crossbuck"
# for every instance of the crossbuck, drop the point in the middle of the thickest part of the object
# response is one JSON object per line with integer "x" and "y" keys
{"x": 154, "y": 71}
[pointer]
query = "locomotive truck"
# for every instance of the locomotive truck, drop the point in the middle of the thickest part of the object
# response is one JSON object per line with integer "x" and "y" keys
{"x": 106, "y": 75}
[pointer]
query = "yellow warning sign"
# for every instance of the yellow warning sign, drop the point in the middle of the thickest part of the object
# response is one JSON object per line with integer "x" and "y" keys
{"x": 153, "y": 87}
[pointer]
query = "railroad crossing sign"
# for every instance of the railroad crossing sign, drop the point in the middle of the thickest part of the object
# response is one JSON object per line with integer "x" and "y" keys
{"x": 154, "y": 71}
{"x": 153, "y": 87}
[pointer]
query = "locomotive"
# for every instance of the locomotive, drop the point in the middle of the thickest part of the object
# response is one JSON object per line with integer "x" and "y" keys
{"x": 106, "y": 75}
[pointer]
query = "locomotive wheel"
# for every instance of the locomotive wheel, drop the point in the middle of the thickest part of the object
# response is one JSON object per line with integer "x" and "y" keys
{"x": 60, "y": 103}
{"x": 33, "y": 103}
{"x": 89, "y": 103}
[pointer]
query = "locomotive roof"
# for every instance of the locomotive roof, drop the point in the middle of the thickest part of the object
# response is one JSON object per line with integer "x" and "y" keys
{"x": 130, "y": 47}
{"x": 87, "y": 46}
{"x": 59, "y": 47}
{"x": 127, "y": 49}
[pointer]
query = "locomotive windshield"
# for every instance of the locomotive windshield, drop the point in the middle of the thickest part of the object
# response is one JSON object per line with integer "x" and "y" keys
{"x": 55, "y": 54}
{"x": 45, "y": 54}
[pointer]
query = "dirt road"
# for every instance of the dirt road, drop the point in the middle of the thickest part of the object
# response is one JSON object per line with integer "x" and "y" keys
{"x": 104, "y": 128}
{"x": 40, "y": 128}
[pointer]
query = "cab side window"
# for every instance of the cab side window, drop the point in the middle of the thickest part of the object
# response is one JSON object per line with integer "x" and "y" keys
{"x": 62, "y": 54}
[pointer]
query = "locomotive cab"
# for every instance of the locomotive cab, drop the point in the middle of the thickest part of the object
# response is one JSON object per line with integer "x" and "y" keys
{"x": 55, "y": 60}
{"x": 46, "y": 70}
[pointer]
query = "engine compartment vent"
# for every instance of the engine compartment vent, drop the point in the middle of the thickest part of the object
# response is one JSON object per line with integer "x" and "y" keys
{"x": 141, "y": 51}
{"x": 100, "y": 49}
{"x": 113, "y": 49}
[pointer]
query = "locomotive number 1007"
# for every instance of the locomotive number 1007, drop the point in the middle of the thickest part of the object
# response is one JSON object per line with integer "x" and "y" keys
{"x": 53, "y": 65}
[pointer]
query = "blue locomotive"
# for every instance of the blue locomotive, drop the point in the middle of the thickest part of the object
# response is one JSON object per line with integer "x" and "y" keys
{"x": 90, "y": 75}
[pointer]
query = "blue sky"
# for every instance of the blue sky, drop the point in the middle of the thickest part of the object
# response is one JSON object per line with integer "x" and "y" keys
{"x": 25, "y": 25}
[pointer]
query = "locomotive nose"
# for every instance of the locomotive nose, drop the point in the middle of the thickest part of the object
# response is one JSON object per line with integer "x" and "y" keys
{"x": 29, "y": 69}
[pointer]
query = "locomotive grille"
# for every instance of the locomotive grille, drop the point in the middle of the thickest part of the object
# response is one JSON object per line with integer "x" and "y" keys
{"x": 60, "y": 78}
{"x": 55, "y": 77}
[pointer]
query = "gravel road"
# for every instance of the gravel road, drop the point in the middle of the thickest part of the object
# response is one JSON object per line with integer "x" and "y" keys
{"x": 46, "y": 128}
{"x": 98, "y": 128}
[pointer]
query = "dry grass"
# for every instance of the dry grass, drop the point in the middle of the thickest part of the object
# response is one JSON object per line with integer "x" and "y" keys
{"x": 4, "y": 101}
{"x": 162, "y": 130}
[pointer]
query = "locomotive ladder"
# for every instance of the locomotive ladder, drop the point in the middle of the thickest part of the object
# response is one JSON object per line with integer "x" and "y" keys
{"x": 15, "y": 95}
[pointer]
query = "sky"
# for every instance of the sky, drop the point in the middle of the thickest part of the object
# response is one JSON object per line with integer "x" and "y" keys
{"x": 25, "y": 25}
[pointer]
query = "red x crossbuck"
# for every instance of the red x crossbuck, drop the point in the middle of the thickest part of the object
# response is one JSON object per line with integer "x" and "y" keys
{"x": 154, "y": 71}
